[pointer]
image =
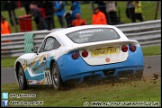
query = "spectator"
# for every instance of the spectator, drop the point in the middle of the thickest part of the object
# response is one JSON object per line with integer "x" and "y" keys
{"x": 75, "y": 9}
{"x": 26, "y": 6}
{"x": 68, "y": 18}
{"x": 11, "y": 5}
{"x": 102, "y": 8}
{"x": 98, "y": 17}
{"x": 49, "y": 11}
{"x": 60, "y": 10}
{"x": 42, "y": 10}
{"x": 112, "y": 14}
{"x": 138, "y": 11}
{"x": 130, "y": 10}
{"x": 5, "y": 27}
{"x": 78, "y": 21}
{"x": 38, "y": 18}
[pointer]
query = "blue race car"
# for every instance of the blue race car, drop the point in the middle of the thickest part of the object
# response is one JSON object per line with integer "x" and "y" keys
{"x": 75, "y": 53}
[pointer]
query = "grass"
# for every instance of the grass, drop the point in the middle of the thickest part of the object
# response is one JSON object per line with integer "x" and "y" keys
{"x": 147, "y": 51}
{"x": 8, "y": 61}
{"x": 148, "y": 10}
{"x": 105, "y": 91}
{"x": 152, "y": 50}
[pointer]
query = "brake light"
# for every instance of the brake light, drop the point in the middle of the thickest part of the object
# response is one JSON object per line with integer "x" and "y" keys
{"x": 84, "y": 53}
{"x": 75, "y": 55}
{"x": 124, "y": 48}
{"x": 133, "y": 48}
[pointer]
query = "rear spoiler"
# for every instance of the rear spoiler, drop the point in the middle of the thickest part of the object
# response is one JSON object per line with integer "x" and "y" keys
{"x": 103, "y": 43}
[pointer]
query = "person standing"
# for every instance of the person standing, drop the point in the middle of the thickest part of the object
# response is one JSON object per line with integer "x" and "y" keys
{"x": 68, "y": 18}
{"x": 78, "y": 21}
{"x": 75, "y": 9}
{"x": 112, "y": 14}
{"x": 11, "y": 6}
{"x": 26, "y": 6}
{"x": 40, "y": 6}
{"x": 60, "y": 10}
{"x": 98, "y": 17}
{"x": 102, "y": 8}
{"x": 138, "y": 11}
{"x": 38, "y": 18}
{"x": 5, "y": 27}
{"x": 49, "y": 11}
{"x": 130, "y": 10}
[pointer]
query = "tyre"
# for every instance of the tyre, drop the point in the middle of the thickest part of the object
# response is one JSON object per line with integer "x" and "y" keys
{"x": 57, "y": 82}
{"x": 21, "y": 78}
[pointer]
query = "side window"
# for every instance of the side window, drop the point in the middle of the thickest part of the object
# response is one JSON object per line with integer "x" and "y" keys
{"x": 56, "y": 44}
{"x": 42, "y": 46}
{"x": 49, "y": 44}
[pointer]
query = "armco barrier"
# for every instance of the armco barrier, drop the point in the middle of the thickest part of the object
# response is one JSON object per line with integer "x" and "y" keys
{"x": 147, "y": 33}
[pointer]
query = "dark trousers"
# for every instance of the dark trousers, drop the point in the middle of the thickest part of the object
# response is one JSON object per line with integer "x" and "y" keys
{"x": 130, "y": 12}
{"x": 10, "y": 16}
{"x": 50, "y": 23}
{"x": 113, "y": 18}
{"x": 27, "y": 9}
{"x": 61, "y": 21}
{"x": 139, "y": 16}
{"x": 40, "y": 23}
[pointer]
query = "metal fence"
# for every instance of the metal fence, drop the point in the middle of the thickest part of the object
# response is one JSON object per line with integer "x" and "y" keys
{"x": 147, "y": 33}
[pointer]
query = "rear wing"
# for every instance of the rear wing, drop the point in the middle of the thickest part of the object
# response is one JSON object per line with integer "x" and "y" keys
{"x": 114, "y": 42}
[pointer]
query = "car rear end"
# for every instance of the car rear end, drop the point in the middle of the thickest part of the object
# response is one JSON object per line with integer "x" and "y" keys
{"x": 100, "y": 53}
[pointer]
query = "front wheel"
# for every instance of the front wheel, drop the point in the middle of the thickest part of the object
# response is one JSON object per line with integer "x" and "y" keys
{"x": 21, "y": 78}
{"x": 57, "y": 82}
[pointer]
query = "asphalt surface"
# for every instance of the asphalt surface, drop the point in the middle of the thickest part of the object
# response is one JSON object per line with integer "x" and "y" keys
{"x": 152, "y": 66}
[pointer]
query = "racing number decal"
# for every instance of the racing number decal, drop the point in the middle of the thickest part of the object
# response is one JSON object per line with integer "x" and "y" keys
{"x": 47, "y": 76}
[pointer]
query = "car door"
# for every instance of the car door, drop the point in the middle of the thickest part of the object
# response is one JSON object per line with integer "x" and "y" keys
{"x": 40, "y": 60}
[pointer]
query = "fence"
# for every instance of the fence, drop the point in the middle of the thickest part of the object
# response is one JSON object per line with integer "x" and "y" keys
{"x": 147, "y": 33}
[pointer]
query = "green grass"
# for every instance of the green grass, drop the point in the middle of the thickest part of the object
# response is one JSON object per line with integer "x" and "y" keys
{"x": 152, "y": 50}
{"x": 8, "y": 61}
{"x": 148, "y": 10}
{"x": 124, "y": 91}
{"x": 147, "y": 51}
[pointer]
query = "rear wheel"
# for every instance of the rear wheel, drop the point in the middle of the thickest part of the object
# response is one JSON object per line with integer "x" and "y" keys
{"x": 57, "y": 82}
{"x": 21, "y": 78}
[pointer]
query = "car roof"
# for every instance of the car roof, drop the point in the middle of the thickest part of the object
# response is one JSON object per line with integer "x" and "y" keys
{"x": 60, "y": 35}
{"x": 72, "y": 29}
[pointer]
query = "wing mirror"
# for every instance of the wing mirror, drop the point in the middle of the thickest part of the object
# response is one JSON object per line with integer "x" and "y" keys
{"x": 35, "y": 49}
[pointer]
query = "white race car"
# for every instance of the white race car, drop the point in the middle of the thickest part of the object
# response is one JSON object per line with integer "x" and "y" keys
{"x": 76, "y": 53}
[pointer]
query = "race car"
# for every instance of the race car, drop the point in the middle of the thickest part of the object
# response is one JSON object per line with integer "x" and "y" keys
{"x": 76, "y": 53}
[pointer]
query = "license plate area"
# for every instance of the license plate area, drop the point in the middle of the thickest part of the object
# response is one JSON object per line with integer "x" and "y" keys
{"x": 104, "y": 51}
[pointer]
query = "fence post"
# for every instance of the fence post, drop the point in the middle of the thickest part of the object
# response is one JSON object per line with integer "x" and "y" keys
{"x": 156, "y": 10}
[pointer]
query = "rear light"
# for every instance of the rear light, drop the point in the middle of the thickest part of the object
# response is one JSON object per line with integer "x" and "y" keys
{"x": 124, "y": 48}
{"x": 84, "y": 53}
{"x": 75, "y": 55}
{"x": 132, "y": 48}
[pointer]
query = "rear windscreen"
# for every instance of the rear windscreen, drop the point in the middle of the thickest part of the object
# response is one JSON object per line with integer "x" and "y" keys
{"x": 93, "y": 35}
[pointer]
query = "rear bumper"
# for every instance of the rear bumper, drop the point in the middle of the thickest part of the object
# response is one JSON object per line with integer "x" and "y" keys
{"x": 79, "y": 69}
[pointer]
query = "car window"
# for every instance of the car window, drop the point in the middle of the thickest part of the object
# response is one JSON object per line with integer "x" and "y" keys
{"x": 49, "y": 44}
{"x": 42, "y": 46}
{"x": 93, "y": 35}
{"x": 56, "y": 44}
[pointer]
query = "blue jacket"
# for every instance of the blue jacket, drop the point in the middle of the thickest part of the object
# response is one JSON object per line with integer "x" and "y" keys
{"x": 60, "y": 8}
{"x": 76, "y": 10}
